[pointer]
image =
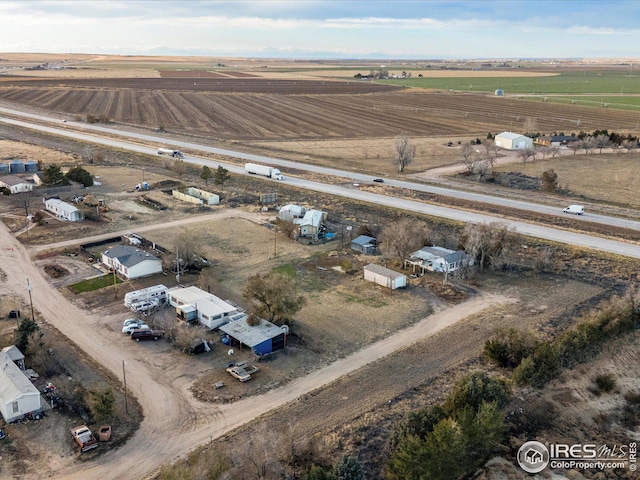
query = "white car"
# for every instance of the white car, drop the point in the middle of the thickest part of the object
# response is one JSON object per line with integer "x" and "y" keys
{"x": 130, "y": 321}
{"x": 135, "y": 326}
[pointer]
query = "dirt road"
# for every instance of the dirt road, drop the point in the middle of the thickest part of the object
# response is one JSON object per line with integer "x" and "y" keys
{"x": 175, "y": 423}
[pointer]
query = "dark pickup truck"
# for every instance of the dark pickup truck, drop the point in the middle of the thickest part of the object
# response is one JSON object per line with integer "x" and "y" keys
{"x": 138, "y": 335}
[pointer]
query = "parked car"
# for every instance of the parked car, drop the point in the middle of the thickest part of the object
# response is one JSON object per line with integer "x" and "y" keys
{"x": 131, "y": 321}
{"x": 138, "y": 335}
{"x": 132, "y": 327}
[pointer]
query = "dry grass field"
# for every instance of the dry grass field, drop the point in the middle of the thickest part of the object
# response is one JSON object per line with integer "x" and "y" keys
{"x": 610, "y": 178}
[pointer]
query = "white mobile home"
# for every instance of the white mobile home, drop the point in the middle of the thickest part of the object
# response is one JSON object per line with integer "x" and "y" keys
{"x": 18, "y": 396}
{"x": 384, "y": 276}
{"x": 311, "y": 222}
{"x": 63, "y": 210}
{"x": 193, "y": 304}
{"x": 131, "y": 262}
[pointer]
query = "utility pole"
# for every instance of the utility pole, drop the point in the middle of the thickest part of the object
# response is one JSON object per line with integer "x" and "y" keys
{"x": 30, "y": 299}
{"x": 275, "y": 241}
{"x": 124, "y": 377}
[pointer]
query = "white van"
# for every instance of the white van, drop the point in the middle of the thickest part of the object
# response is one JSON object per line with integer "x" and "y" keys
{"x": 575, "y": 209}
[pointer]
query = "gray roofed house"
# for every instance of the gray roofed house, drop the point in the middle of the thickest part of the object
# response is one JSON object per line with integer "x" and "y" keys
{"x": 438, "y": 259}
{"x": 131, "y": 262}
{"x": 364, "y": 244}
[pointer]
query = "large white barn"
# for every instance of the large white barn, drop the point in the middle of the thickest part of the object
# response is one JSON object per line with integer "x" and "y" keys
{"x": 513, "y": 141}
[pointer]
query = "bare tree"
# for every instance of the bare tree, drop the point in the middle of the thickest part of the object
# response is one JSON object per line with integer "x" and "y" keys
{"x": 469, "y": 157}
{"x": 554, "y": 151}
{"x": 400, "y": 238}
{"x": 482, "y": 168}
{"x": 486, "y": 241}
{"x": 588, "y": 144}
{"x": 525, "y": 153}
{"x": 544, "y": 151}
{"x": 575, "y": 146}
{"x": 602, "y": 141}
{"x": 630, "y": 145}
{"x": 22, "y": 200}
{"x": 530, "y": 125}
{"x": 405, "y": 152}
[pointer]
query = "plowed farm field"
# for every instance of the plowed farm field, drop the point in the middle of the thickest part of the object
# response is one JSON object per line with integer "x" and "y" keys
{"x": 267, "y": 109}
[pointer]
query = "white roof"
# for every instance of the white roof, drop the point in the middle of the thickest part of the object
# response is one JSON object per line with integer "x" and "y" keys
{"x": 510, "y": 135}
{"x": 13, "y": 352}
{"x": 13, "y": 382}
{"x": 64, "y": 206}
{"x": 214, "y": 306}
{"x": 312, "y": 217}
{"x": 188, "y": 295}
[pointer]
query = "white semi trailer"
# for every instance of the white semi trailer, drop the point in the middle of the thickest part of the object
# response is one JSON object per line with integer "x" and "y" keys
{"x": 170, "y": 152}
{"x": 269, "y": 172}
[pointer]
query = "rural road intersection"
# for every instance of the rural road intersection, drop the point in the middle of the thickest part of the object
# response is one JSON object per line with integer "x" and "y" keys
{"x": 174, "y": 422}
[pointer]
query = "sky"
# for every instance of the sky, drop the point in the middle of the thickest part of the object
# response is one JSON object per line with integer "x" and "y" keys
{"x": 324, "y": 29}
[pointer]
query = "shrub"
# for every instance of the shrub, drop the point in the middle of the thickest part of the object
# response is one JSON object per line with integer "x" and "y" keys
{"x": 509, "y": 347}
{"x": 605, "y": 383}
{"x": 475, "y": 389}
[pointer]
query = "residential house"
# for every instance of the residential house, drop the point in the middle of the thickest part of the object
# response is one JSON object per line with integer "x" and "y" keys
{"x": 16, "y": 183}
{"x": 18, "y": 396}
{"x": 438, "y": 259}
{"x": 193, "y": 304}
{"x": 311, "y": 223}
{"x": 63, "y": 210}
{"x": 131, "y": 262}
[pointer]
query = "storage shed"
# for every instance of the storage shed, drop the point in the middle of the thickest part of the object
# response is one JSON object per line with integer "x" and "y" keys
{"x": 364, "y": 244}
{"x": 513, "y": 141}
{"x": 263, "y": 338}
{"x": 384, "y": 276}
{"x": 18, "y": 396}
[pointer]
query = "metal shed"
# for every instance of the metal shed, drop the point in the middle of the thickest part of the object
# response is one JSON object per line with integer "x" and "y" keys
{"x": 364, "y": 244}
{"x": 384, "y": 276}
{"x": 263, "y": 338}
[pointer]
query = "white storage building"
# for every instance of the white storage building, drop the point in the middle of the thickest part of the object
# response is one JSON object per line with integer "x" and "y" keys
{"x": 384, "y": 276}
{"x": 513, "y": 141}
{"x": 18, "y": 396}
{"x": 16, "y": 184}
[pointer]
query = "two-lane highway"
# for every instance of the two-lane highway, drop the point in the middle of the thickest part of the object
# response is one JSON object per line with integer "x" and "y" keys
{"x": 349, "y": 191}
